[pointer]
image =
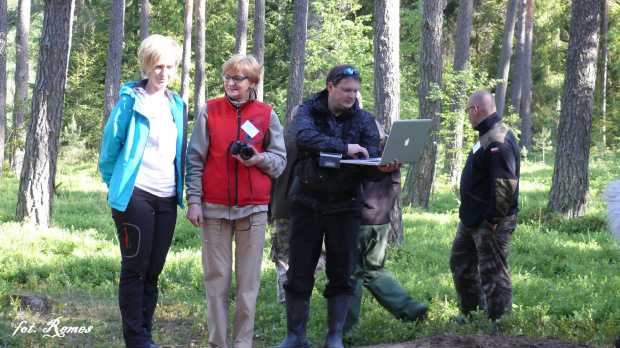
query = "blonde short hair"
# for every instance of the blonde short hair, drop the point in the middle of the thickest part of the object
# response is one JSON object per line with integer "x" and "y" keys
{"x": 156, "y": 48}
{"x": 242, "y": 63}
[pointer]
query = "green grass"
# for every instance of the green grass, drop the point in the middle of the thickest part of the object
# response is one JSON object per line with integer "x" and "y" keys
{"x": 566, "y": 273}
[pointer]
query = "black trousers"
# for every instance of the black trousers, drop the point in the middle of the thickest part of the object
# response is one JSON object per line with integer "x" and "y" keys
{"x": 145, "y": 231}
{"x": 341, "y": 232}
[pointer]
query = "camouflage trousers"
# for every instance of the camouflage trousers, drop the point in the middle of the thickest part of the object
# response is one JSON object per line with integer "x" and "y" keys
{"x": 280, "y": 251}
{"x": 479, "y": 265}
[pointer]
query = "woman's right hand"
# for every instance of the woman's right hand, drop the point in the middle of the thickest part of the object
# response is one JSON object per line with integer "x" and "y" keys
{"x": 194, "y": 214}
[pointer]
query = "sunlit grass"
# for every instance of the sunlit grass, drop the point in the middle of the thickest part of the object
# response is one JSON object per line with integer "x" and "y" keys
{"x": 566, "y": 273}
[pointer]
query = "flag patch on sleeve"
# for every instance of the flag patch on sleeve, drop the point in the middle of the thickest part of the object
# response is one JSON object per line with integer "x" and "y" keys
{"x": 494, "y": 150}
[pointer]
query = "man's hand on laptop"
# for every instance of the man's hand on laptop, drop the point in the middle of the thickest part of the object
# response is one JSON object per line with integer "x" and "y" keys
{"x": 391, "y": 167}
{"x": 354, "y": 151}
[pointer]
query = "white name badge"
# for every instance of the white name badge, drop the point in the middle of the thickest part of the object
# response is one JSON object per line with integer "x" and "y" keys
{"x": 476, "y": 147}
{"x": 249, "y": 129}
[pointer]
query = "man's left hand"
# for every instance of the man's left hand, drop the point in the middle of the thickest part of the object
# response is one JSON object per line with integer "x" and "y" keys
{"x": 258, "y": 158}
{"x": 388, "y": 168}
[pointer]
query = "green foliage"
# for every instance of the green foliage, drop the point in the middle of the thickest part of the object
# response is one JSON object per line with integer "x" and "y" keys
{"x": 543, "y": 141}
{"x": 339, "y": 36}
{"x": 565, "y": 273}
{"x": 457, "y": 83}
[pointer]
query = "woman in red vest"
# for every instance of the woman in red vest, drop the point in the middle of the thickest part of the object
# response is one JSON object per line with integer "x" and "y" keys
{"x": 236, "y": 148}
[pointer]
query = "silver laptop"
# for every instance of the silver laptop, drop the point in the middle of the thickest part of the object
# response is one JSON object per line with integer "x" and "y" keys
{"x": 405, "y": 143}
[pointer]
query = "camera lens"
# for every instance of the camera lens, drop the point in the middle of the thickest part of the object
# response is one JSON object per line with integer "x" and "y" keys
{"x": 246, "y": 152}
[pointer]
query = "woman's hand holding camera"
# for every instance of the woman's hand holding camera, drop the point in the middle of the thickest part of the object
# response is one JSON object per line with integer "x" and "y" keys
{"x": 258, "y": 158}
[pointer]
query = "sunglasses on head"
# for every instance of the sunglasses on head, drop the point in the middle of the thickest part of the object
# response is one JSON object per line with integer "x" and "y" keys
{"x": 346, "y": 72}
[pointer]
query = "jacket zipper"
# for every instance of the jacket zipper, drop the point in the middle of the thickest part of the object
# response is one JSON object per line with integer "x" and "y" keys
{"x": 237, "y": 162}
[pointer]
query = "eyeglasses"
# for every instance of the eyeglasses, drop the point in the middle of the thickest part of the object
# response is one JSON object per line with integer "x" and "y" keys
{"x": 235, "y": 79}
{"x": 346, "y": 72}
{"x": 469, "y": 108}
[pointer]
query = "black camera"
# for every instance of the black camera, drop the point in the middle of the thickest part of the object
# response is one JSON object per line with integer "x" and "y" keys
{"x": 242, "y": 149}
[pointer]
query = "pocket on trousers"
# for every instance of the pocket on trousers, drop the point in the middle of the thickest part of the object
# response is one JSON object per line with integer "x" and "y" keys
{"x": 258, "y": 225}
{"x": 212, "y": 231}
{"x": 129, "y": 238}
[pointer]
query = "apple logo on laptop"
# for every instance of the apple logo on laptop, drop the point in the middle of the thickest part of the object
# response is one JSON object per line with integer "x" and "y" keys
{"x": 407, "y": 142}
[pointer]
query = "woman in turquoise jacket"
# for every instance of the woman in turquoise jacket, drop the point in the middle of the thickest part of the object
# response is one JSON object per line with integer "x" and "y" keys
{"x": 143, "y": 162}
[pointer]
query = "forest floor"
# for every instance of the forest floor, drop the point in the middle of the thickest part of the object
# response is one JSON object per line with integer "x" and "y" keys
{"x": 483, "y": 341}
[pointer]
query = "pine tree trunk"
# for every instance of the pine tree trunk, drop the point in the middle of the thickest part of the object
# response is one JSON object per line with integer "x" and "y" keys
{"x": 114, "y": 60}
{"x": 187, "y": 49}
{"x": 37, "y": 183}
{"x": 144, "y": 19}
{"x": 454, "y": 144}
{"x": 570, "y": 185}
{"x": 258, "y": 47}
{"x": 20, "y": 101}
{"x": 3, "y": 80}
{"x": 241, "y": 37}
{"x": 604, "y": 73}
{"x": 517, "y": 77}
{"x": 387, "y": 86}
{"x": 298, "y": 57}
{"x": 526, "y": 82}
{"x": 504, "y": 61}
{"x": 199, "y": 57}
{"x": 421, "y": 174}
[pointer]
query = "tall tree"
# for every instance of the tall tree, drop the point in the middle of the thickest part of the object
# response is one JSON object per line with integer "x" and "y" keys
{"x": 298, "y": 57}
{"x": 114, "y": 58}
{"x": 570, "y": 185}
{"x": 144, "y": 19}
{"x": 37, "y": 182}
{"x": 199, "y": 56}
{"x": 526, "y": 79}
{"x": 387, "y": 86}
{"x": 452, "y": 164}
{"x": 187, "y": 49}
{"x": 421, "y": 175}
{"x": 3, "y": 81}
{"x": 258, "y": 47}
{"x": 504, "y": 60}
{"x": 517, "y": 76}
{"x": 604, "y": 72}
{"x": 242, "y": 26}
{"x": 20, "y": 104}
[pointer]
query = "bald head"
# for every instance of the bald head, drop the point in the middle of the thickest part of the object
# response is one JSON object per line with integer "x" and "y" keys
{"x": 480, "y": 105}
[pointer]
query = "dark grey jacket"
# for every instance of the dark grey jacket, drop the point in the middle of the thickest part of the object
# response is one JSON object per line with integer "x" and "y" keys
{"x": 316, "y": 129}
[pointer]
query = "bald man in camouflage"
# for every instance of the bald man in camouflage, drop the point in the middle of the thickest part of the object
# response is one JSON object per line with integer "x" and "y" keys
{"x": 488, "y": 213}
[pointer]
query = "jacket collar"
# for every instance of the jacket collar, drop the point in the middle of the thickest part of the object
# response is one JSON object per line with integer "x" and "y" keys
{"x": 140, "y": 89}
{"x": 320, "y": 104}
{"x": 487, "y": 123}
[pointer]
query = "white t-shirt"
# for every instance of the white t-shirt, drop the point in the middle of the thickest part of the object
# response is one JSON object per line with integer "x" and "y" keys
{"x": 157, "y": 174}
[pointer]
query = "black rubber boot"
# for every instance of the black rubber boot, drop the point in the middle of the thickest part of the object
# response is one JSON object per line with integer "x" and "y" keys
{"x": 336, "y": 313}
{"x": 297, "y": 311}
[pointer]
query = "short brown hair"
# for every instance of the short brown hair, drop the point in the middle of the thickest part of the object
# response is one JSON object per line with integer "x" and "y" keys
{"x": 248, "y": 64}
{"x": 156, "y": 48}
{"x": 337, "y": 74}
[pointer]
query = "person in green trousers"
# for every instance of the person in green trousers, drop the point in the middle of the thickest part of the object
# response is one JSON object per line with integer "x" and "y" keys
{"x": 373, "y": 242}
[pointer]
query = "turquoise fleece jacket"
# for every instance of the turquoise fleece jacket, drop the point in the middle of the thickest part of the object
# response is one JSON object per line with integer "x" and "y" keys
{"x": 124, "y": 140}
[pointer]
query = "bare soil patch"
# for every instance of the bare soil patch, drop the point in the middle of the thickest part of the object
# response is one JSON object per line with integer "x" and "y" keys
{"x": 484, "y": 341}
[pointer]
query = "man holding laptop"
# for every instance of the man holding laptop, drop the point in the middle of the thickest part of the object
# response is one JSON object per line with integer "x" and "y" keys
{"x": 327, "y": 201}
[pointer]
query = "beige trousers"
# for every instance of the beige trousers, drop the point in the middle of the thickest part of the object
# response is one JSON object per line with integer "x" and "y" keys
{"x": 217, "y": 261}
